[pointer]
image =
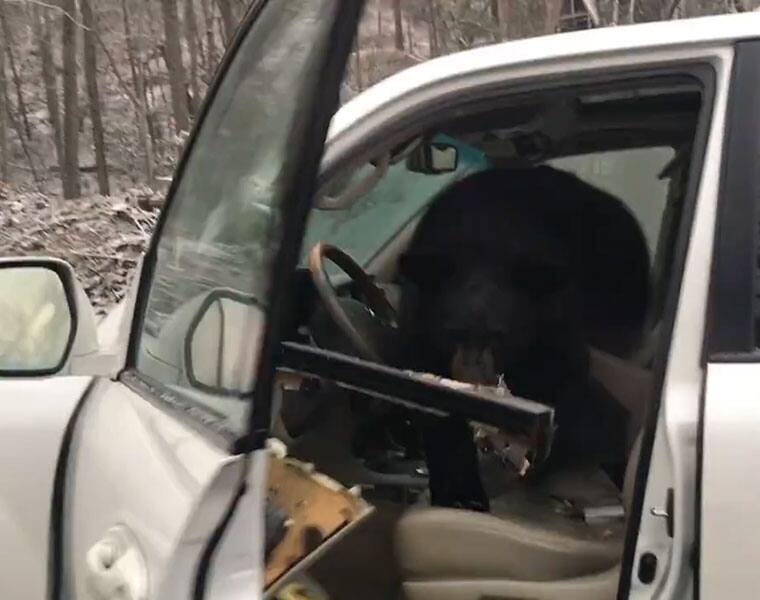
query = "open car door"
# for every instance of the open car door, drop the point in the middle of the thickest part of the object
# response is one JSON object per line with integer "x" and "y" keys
{"x": 153, "y": 475}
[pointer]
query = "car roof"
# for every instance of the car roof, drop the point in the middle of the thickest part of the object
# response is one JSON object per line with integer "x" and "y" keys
{"x": 594, "y": 42}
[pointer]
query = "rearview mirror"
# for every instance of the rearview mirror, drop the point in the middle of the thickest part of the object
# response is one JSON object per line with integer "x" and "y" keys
{"x": 433, "y": 159}
{"x": 37, "y": 317}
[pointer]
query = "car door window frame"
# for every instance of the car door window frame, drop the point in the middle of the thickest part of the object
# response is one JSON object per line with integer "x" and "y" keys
{"x": 299, "y": 173}
{"x": 731, "y": 327}
{"x": 149, "y": 261}
{"x": 435, "y": 107}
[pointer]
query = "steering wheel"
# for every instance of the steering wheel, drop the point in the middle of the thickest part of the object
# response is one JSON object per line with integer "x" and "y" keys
{"x": 374, "y": 303}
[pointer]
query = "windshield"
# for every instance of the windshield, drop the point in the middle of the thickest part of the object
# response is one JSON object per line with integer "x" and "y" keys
{"x": 363, "y": 229}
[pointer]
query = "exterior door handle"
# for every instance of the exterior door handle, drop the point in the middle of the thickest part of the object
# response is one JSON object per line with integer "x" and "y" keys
{"x": 116, "y": 568}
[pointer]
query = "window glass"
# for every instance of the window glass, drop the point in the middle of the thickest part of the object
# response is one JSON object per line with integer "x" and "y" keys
{"x": 363, "y": 228}
{"x": 634, "y": 176}
{"x": 207, "y": 301}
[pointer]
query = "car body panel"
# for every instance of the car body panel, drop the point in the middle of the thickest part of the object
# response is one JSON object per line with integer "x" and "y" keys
{"x": 591, "y": 45}
{"x": 674, "y": 455}
{"x": 28, "y": 458}
{"x": 163, "y": 469}
{"x": 729, "y": 552}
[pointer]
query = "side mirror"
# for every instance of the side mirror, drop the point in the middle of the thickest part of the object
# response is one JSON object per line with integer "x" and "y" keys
{"x": 46, "y": 321}
{"x": 222, "y": 343}
{"x": 433, "y": 159}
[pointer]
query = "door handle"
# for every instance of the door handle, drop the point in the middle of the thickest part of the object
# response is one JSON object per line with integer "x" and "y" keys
{"x": 116, "y": 568}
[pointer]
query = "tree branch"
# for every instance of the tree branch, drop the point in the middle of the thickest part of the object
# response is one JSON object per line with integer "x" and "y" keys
{"x": 51, "y": 7}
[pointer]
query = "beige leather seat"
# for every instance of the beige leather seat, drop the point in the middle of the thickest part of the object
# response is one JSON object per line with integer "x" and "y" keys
{"x": 530, "y": 548}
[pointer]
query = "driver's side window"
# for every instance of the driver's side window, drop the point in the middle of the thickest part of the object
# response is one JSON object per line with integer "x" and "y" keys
{"x": 212, "y": 266}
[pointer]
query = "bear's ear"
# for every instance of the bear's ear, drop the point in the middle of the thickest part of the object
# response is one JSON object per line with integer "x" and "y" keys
{"x": 424, "y": 270}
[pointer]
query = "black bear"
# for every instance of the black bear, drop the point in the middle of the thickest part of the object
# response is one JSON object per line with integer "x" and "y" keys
{"x": 515, "y": 273}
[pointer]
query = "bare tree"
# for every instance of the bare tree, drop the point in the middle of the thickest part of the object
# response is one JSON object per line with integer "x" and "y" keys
{"x": 496, "y": 16}
{"x": 670, "y": 10}
{"x": 191, "y": 33}
{"x": 553, "y": 11}
{"x": 70, "y": 172}
{"x": 208, "y": 24}
{"x": 228, "y": 18}
{"x": 93, "y": 95}
{"x": 129, "y": 38}
{"x": 9, "y": 44}
{"x": 432, "y": 28}
{"x": 139, "y": 98}
{"x": 22, "y": 140}
{"x": 358, "y": 65}
{"x": 511, "y": 18}
{"x": 4, "y": 160}
{"x": 49, "y": 79}
{"x": 399, "y": 23}
{"x": 173, "y": 59}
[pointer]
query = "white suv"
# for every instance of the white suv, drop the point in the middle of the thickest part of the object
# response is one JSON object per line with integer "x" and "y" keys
{"x": 178, "y": 459}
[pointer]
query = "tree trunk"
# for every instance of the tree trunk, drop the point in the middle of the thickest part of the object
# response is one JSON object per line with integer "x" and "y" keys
{"x": 670, "y": 10}
{"x": 70, "y": 172}
{"x": 9, "y": 45}
{"x": 552, "y": 14}
{"x": 93, "y": 95}
{"x": 131, "y": 55}
{"x": 20, "y": 134}
{"x": 173, "y": 58}
{"x": 4, "y": 174}
{"x": 208, "y": 24}
{"x": 494, "y": 7}
{"x": 511, "y": 19}
{"x": 647, "y": 11}
{"x": 399, "y": 22}
{"x": 496, "y": 16}
{"x": 191, "y": 31}
{"x": 432, "y": 28}
{"x": 358, "y": 64}
{"x": 45, "y": 43}
{"x": 138, "y": 82}
{"x": 228, "y": 18}
{"x": 200, "y": 40}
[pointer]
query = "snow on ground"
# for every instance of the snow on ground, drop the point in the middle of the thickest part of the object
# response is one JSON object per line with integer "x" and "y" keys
{"x": 103, "y": 238}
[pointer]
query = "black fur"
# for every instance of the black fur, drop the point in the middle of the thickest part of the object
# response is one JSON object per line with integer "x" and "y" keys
{"x": 532, "y": 265}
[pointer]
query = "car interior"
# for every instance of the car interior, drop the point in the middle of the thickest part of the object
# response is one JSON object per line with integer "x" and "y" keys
{"x": 546, "y": 533}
